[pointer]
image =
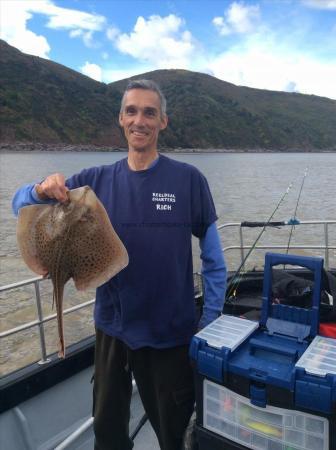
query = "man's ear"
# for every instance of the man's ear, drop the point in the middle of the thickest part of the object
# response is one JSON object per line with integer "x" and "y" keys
{"x": 121, "y": 122}
{"x": 164, "y": 122}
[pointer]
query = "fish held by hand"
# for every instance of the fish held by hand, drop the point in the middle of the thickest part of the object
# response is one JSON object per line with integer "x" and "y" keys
{"x": 67, "y": 240}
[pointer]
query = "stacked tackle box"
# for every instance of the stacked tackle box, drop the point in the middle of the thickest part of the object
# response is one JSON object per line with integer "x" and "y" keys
{"x": 269, "y": 385}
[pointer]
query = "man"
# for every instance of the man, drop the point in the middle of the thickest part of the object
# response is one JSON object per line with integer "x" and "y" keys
{"x": 145, "y": 316}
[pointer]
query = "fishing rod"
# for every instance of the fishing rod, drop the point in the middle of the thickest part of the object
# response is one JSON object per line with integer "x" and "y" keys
{"x": 294, "y": 219}
{"x": 236, "y": 276}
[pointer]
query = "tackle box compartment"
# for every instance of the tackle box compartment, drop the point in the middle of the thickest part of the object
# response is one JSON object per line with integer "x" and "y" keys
{"x": 233, "y": 417}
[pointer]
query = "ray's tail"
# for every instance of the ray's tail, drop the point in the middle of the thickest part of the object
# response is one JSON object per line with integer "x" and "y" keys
{"x": 58, "y": 300}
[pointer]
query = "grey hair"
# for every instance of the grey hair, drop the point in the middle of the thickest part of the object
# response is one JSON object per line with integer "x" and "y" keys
{"x": 148, "y": 85}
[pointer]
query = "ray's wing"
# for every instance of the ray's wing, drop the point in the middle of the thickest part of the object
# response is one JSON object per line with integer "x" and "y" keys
{"x": 26, "y": 236}
{"x": 102, "y": 247}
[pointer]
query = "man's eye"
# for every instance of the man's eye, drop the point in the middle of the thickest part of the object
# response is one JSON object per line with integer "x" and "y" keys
{"x": 130, "y": 111}
{"x": 150, "y": 112}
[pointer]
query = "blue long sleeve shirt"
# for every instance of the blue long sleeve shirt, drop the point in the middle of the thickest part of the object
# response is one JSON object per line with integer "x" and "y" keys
{"x": 214, "y": 276}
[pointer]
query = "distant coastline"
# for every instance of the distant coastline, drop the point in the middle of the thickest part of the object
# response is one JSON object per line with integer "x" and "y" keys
{"x": 61, "y": 147}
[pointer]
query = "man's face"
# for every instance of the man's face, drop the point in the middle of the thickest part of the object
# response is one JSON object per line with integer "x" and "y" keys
{"x": 141, "y": 119}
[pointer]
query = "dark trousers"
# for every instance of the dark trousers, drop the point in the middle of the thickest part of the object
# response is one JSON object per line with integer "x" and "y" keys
{"x": 165, "y": 384}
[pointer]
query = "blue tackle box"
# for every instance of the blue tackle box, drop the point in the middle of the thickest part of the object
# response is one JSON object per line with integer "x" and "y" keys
{"x": 269, "y": 385}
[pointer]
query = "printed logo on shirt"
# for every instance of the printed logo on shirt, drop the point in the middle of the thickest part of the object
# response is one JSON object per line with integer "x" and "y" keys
{"x": 163, "y": 201}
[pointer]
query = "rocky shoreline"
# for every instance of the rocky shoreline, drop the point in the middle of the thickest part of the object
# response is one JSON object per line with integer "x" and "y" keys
{"x": 61, "y": 147}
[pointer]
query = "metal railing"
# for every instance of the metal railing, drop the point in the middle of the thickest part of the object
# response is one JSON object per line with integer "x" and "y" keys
{"x": 325, "y": 248}
{"x": 41, "y": 320}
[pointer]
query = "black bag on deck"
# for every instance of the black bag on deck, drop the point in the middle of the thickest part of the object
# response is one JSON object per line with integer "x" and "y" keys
{"x": 290, "y": 289}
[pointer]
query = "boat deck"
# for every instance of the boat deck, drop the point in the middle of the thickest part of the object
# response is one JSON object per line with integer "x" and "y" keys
{"x": 51, "y": 419}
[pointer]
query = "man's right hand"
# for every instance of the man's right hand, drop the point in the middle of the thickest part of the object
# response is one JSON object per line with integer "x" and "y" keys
{"x": 53, "y": 187}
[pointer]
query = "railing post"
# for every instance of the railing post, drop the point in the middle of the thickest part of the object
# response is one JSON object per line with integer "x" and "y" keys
{"x": 242, "y": 255}
{"x": 326, "y": 242}
{"x": 44, "y": 359}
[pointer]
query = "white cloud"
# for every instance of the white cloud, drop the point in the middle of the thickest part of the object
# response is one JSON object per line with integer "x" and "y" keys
{"x": 239, "y": 18}
{"x": 92, "y": 70}
{"x": 320, "y": 4}
{"x": 75, "y": 33}
{"x": 15, "y": 16}
{"x": 87, "y": 37}
{"x": 291, "y": 87}
{"x": 222, "y": 27}
{"x": 265, "y": 67}
{"x": 160, "y": 41}
{"x": 64, "y": 18}
{"x": 13, "y": 29}
{"x": 112, "y": 33}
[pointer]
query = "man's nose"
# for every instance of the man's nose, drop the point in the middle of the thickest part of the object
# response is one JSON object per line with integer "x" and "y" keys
{"x": 139, "y": 119}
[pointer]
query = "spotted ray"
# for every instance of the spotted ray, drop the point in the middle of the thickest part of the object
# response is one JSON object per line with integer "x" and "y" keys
{"x": 70, "y": 240}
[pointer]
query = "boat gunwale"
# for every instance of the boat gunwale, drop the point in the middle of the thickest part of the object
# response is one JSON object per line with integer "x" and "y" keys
{"x": 29, "y": 381}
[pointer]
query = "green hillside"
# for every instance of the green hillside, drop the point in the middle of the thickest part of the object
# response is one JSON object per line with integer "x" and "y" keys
{"x": 42, "y": 101}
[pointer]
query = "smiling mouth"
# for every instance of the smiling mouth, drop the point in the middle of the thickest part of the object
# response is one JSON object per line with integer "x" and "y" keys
{"x": 139, "y": 133}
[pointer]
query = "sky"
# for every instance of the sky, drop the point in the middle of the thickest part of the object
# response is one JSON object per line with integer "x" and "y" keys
{"x": 285, "y": 45}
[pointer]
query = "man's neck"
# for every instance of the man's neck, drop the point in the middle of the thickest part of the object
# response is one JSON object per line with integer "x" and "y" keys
{"x": 141, "y": 160}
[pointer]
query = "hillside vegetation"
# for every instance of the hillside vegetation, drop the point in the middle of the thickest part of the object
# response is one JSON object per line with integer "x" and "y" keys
{"x": 42, "y": 101}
